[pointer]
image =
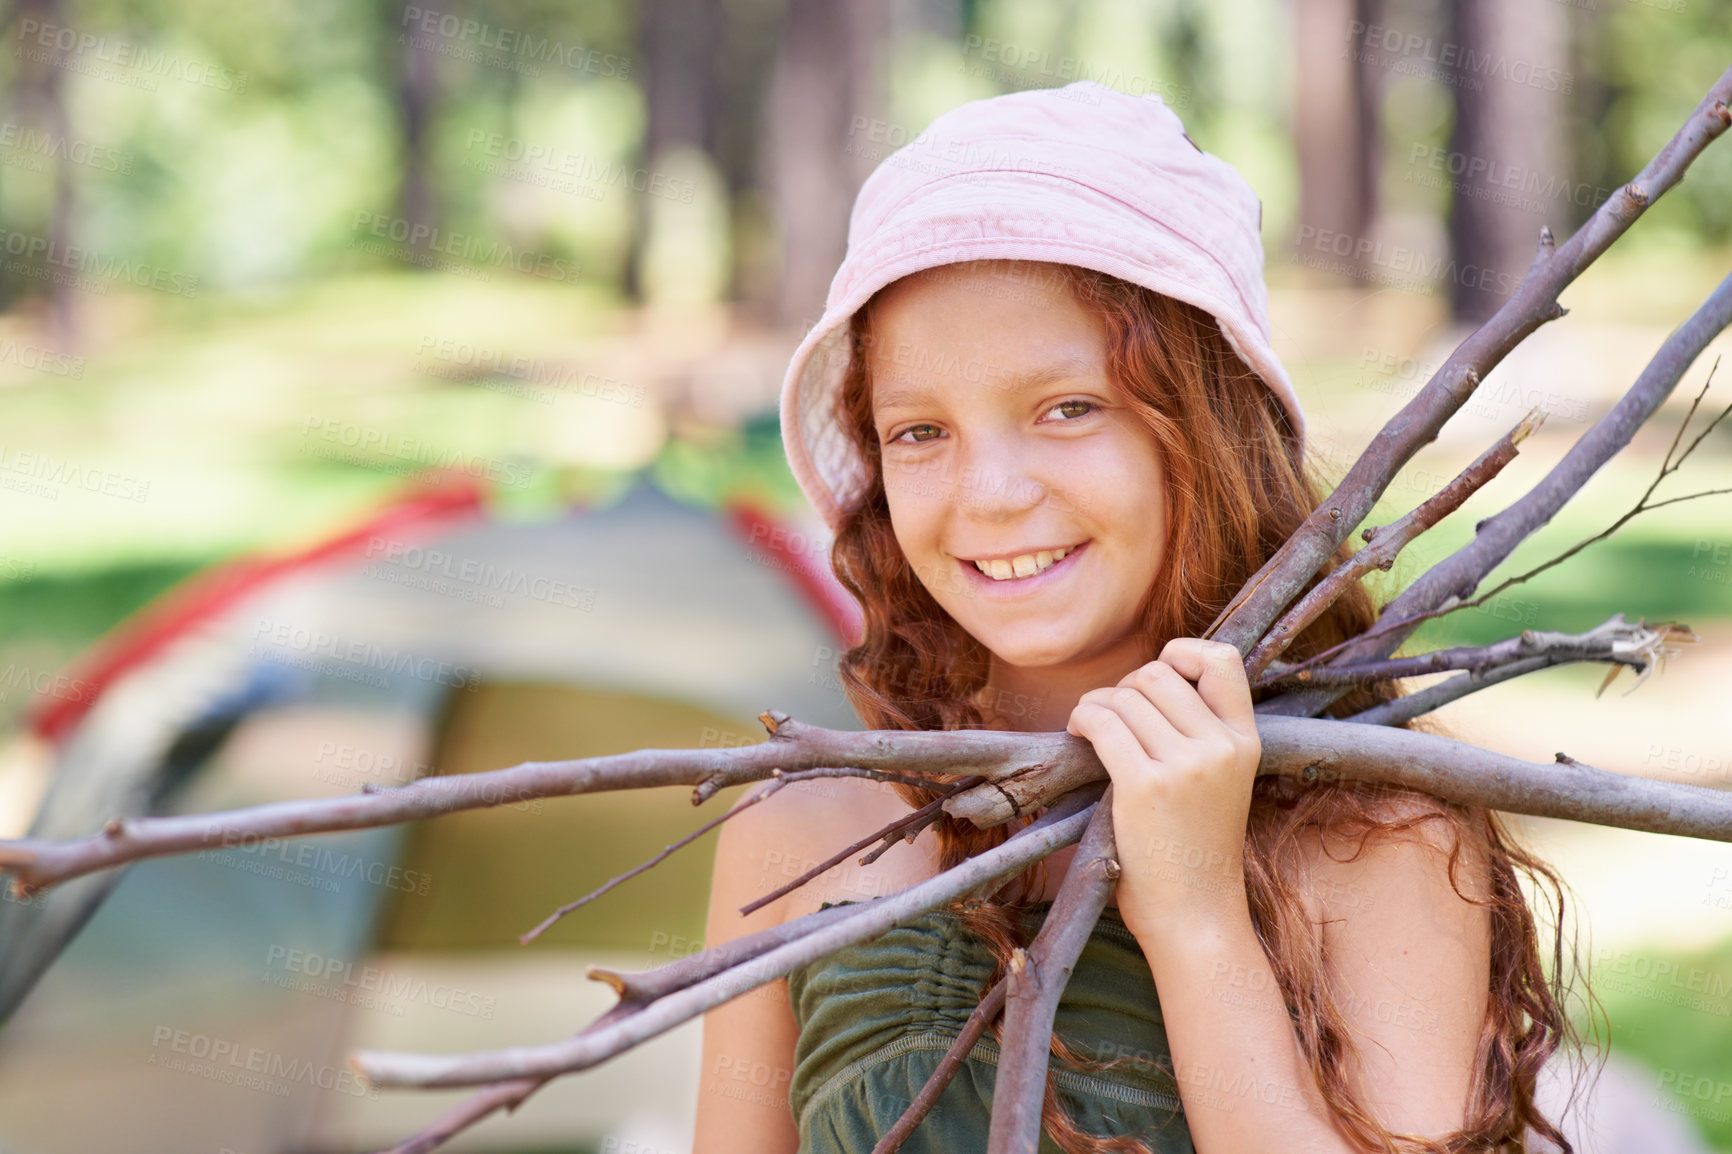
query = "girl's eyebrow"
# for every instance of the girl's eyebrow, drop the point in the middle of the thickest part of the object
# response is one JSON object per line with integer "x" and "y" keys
{"x": 1010, "y": 382}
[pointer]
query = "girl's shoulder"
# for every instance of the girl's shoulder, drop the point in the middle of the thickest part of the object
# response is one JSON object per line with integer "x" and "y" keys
{"x": 806, "y": 823}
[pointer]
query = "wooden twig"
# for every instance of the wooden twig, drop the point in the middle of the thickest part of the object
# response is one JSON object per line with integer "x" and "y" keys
{"x": 990, "y": 1004}
{"x": 779, "y": 779}
{"x": 37, "y": 863}
{"x": 1037, "y": 980}
{"x": 1411, "y": 705}
{"x": 1614, "y": 641}
{"x": 1059, "y": 827}
{"x": 1314, "y": 749}
{"x": 1009, "y": 761}
{"x": 1454, "y": 579}
{"x": 903, "y": 827}
{"x": 477, "y": 1108}
{"x": 1643, "y": 505}
{"x": 1384, "y": 544}
{"x": 635, "y": 991}
{"x": 1534, "y": 302}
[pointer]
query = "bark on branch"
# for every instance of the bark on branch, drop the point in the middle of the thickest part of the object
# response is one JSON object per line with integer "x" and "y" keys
{"x": 1615, "y": 641}
{"x": 1456, "y": 577}
{"x": 1037, "y": 980}
{"x": 1534, "y": 302}
{"x": 1056, "y": 829}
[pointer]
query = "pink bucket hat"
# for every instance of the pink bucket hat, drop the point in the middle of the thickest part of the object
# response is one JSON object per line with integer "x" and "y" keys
{"x": 1079, "y": 175}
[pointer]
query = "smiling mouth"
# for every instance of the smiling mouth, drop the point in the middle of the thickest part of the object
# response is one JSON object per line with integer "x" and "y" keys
{"x": 1024, "y": 565}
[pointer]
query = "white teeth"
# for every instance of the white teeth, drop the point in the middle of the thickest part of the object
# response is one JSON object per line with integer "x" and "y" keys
{"x": 1022, "y": 565}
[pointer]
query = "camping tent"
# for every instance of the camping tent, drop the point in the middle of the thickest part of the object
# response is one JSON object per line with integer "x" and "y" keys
{"x": 208, "y": 1001}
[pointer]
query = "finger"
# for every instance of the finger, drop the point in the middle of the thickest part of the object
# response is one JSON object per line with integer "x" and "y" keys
{"x": 1153, "y": 732}
{"x": 1175, "y": 698}
{"x": 1219, "y": 671}
{"x": 1114, "y": 743}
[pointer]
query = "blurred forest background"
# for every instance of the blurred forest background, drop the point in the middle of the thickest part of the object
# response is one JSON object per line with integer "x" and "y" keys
{"x": 264, "y": 265}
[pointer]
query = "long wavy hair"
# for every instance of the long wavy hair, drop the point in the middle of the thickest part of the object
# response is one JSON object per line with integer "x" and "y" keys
{"x": 1237, "y": 488}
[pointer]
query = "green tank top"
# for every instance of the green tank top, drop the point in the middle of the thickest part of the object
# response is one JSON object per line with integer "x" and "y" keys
{"x": 876, "y": 1018}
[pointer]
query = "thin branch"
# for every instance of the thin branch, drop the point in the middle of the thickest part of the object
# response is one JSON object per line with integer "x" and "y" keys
{"x": 1384, "y": 544}
{"x": 779, "y": 779}
{"x": 1614, "y": 640}
{"x": 1060, "y": 827}
{"x": 37, "y": 863}
{"x": 635, "y": 991}
{"x": 1534, "y": 302}
{"x": 1009, "y": 762}
{"x": 902, "y": 828}
{"x": 1309, "y": 749}
{"x": 1037, "y": 980}
{"x": 948, "y": 1066}
{"x": 1411, "y": 705}
{"x": 1316, "y": 749}
{"x": 1455, "y": 579}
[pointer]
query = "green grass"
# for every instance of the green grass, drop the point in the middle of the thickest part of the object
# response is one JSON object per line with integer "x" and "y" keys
{"x": 1674, "y": 1013}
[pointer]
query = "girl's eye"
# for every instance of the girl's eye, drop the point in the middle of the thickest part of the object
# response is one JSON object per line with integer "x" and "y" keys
{"x": 1083, "y": 405}
{"x": 901, "y": 437}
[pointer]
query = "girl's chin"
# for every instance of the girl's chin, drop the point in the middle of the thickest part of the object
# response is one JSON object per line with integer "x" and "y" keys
{"x": 1033, "y": 653}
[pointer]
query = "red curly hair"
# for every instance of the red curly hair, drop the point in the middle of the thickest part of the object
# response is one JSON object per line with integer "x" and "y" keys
{"x": 916, "y": 668}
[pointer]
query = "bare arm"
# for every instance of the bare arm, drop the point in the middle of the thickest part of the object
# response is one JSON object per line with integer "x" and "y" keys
{"x": 748, "y": 1052}
{"x": 1179, "y": 739}
{"x": 749, "y": 1043}
{"x": 1409, "y": 962}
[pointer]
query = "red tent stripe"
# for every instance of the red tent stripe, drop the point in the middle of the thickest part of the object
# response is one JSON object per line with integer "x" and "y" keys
{"x": 209, "y": 593}
{"x": 800, "y": 557}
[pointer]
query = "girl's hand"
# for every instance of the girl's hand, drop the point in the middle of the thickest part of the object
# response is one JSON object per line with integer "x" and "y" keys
{"x": 1182, "y": 758}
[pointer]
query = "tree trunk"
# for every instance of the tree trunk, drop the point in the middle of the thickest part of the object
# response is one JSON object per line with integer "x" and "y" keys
{"x": 677, "y": 42}
{"x": 417, "y": 88}
{"x": 828, "y": 73}
{"x": 1505, "y": 61}
{"x": 1335, "y": 125}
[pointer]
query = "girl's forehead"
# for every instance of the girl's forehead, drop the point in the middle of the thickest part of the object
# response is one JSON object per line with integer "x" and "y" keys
{"x": 915, "y": 385}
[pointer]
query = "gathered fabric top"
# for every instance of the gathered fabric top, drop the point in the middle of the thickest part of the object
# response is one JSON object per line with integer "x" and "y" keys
{"x": 876, "y": 1018}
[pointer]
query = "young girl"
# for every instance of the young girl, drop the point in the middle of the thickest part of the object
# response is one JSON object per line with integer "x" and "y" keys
{"x": 1042, "y": 416}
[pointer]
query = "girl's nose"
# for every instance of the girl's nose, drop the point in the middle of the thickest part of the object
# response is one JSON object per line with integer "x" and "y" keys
{"x": 997, "y": 485}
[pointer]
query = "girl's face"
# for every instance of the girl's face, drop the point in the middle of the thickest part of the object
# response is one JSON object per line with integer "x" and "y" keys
{"x": 1006, "y": 447}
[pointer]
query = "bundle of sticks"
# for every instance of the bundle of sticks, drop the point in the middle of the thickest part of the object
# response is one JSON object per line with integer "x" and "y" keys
{"x": 992, "y": 777}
